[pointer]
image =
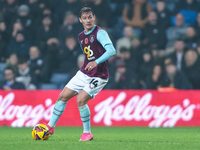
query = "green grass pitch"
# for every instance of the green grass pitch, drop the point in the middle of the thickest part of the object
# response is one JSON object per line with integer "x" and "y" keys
{"x": 105, "y": 138}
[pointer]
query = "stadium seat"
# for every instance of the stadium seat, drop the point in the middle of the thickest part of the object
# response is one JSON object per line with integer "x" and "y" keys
{"x": 2, "y": 66}
{"x": 59, "y": 79}
{"x": 47, "y": 86}
{"x": 190, "y": 17}
{"x": 1, "y": 75}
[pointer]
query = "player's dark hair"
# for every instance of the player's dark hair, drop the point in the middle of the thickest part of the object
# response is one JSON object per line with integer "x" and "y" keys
{"x": 85, "y": 9}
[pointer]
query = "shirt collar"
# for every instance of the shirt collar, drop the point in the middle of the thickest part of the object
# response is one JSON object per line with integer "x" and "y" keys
{"x": 89, "y": 31}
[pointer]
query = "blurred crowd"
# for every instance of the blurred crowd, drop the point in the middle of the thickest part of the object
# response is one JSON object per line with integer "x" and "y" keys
{"x": 157, "y": 43}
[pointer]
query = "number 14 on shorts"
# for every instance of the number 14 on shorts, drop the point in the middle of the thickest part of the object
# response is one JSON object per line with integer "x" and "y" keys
{"x": 93, "y": 83}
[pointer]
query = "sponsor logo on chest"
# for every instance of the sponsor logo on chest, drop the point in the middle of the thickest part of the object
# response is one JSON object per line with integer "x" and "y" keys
{"x": 87, "y": 49}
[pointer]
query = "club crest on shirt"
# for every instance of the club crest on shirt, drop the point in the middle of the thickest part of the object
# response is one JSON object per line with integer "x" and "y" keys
{"x": 86, "y": 40}
{"x": 92, "y": 38}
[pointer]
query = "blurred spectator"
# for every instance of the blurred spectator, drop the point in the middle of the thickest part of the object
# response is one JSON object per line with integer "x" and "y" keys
{"x": 9, "y": 81}
{"x": 189, "y": 9}
{"x": 1, "y": 16}
{"x": 167, "y": 60}
{"x": 52, "y": 50}
{"x": 63, "y": 6}
{"x": 178, "y": 56}
{"x": 9, "y": 9}
{"x": 118, "y": 6}
{"x": 189, "y": 5}
{"x": 153, "y": 80}
{"x": 136, "y": 13}
{"x": 198, "y": 48}
{"x": 25, "y": 76}
{"x": 23, "y": 16}
{"x": 104, "y": 17}
{"x": 174, "y": 78}
{"x": 70, "y": 26}
{"x": 157, "y": 55}
{"x": 176, "y": 32}
{"x": 191, "y": 38}
{"x": 19, "y": 45}
{"x": 154, "y": 37}
{"x": 197, "y": 26}
{"x": 146, "y": 67}
{"x": 124, "y": 41}
{"x": 123, "y": 78}
{"x": 46, "y": 12}
{"x": 53, "y": 42}
{"x": 13, "y": 61}
{"x": 192, "y": 69}
{"x": 36, "y": 7}
{"x": 17, "y": 26}
{"x": 3, "y": 40}
{"x": 49, "y": 3}
{"x": 45, "y": 32}
{"x": 39, "y": 66}
{"x": 116, "y": 23}
{"x": 136, "y": 49}
{"x": 130, "y": 61}
{"x": 163, "y": 14}
{"x": 67, "y": 57}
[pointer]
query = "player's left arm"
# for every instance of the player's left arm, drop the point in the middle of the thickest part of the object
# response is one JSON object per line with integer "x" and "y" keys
{"x": 104, "y": 40}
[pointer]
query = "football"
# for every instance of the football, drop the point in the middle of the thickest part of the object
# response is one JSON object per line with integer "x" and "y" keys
{"x": 40, "y": 132}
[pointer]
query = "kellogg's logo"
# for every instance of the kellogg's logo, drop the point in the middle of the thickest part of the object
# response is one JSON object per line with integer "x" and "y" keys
{"x": 24, "y": 115}
{"x": 139, "y": 109}
{"x": 113, "y": 110}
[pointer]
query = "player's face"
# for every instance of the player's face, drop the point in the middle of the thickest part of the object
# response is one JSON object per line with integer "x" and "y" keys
{"x": 87, "y": 19}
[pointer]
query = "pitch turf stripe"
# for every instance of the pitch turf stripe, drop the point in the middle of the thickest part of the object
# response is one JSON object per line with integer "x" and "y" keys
{"x": 86, "y": 116}
{"x": 58, "y": 110}
{"x": 86, "y": 120}
{"x": 56, "y": 114}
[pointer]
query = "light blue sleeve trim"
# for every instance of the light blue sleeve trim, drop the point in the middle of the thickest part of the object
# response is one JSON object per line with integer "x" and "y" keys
{"x": 110, "y": 51}
{"x": 103, "y": 38}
